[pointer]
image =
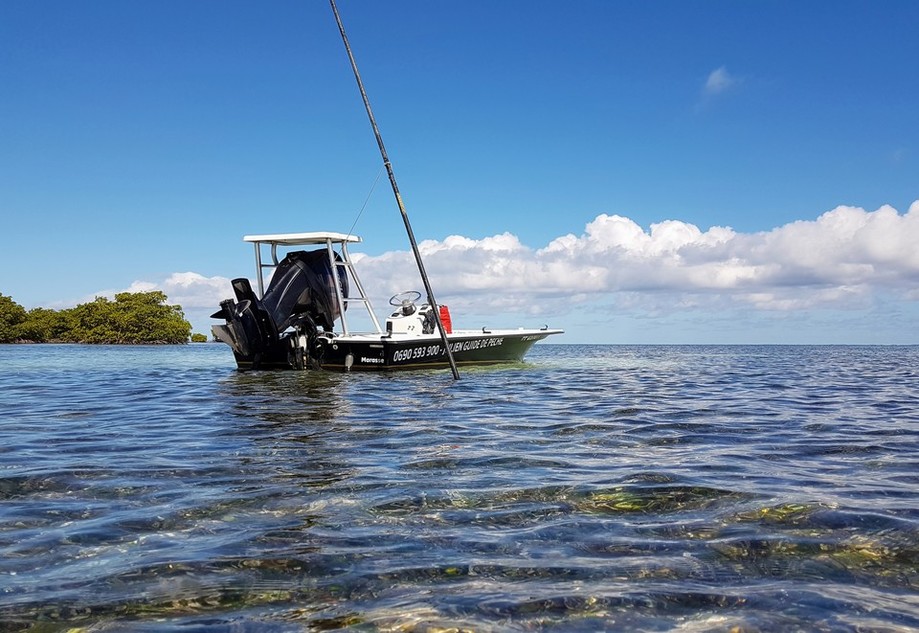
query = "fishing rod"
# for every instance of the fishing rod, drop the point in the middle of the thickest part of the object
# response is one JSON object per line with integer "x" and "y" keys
{"x": 395, "y": 190}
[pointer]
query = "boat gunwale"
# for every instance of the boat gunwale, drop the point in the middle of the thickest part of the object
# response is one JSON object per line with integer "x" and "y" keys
{"x": 456, "y": 335}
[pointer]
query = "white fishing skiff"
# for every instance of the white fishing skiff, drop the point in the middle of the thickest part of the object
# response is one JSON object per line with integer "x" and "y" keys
{"x": 300, "y": 320}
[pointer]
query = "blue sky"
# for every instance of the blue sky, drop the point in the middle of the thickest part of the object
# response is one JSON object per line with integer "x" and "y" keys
{"x": 774, "y": 145}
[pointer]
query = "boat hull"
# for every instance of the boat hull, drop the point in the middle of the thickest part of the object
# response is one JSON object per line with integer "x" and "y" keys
{"x": 385, "y": 353}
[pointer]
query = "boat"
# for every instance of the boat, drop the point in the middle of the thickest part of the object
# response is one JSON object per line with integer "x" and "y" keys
{"x": 300, "y": 320}
{"x": 291, "y": 324}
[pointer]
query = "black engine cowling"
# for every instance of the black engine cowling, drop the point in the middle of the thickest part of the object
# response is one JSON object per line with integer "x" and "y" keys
{"x": 300, "y": 295}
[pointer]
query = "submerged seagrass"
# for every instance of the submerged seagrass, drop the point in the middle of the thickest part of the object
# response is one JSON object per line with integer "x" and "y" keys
{"x": 654, "y": 488}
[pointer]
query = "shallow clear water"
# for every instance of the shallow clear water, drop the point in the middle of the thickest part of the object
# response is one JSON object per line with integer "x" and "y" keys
{"x": 592, "y": 488}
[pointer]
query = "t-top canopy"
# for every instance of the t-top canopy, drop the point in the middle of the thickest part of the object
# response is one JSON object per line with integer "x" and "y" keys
{"x": 298, "y": 239}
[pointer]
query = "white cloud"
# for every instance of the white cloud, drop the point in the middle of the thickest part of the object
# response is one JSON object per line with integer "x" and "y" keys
{"x": 719, "y": 81}
{"x": 188, "y": 289}
{"x": 843, "y": 260}
{"x": 831, "y": 261}
{"x": 191, "y": 290}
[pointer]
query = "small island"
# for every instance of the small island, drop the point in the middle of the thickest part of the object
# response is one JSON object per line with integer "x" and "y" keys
{"x": 133, "y": 318}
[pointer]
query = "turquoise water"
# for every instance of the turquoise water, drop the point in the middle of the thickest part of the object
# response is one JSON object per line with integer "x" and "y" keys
{"x": 592, "y": 488}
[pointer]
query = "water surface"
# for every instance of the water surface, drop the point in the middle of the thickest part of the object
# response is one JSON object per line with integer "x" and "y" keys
{"x": 592, "y": 488}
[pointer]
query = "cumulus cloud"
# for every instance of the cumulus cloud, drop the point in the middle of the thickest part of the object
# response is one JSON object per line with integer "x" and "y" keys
{"x": 838, "y": 261}
{"x": 188, "y": 289}
{"x": 842, "y": 256}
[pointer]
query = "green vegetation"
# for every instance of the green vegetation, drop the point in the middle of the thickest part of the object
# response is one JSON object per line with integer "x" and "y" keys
{"x": 132, "y": 318}
{"x": 11, "y": 315}
{"x": 197, "y": 337}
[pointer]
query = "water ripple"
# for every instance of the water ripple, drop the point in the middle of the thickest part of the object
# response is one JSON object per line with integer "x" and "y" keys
{"x": 592, "y": 488}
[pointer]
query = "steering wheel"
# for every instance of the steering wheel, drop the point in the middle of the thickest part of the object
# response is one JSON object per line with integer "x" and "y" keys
{"x": 402, "y": 298}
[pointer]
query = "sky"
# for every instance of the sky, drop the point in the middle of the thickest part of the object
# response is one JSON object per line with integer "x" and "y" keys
{"x": 699, "y": 172}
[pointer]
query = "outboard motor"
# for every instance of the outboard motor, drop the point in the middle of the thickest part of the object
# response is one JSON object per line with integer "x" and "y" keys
{"x": 301, "y": 295}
